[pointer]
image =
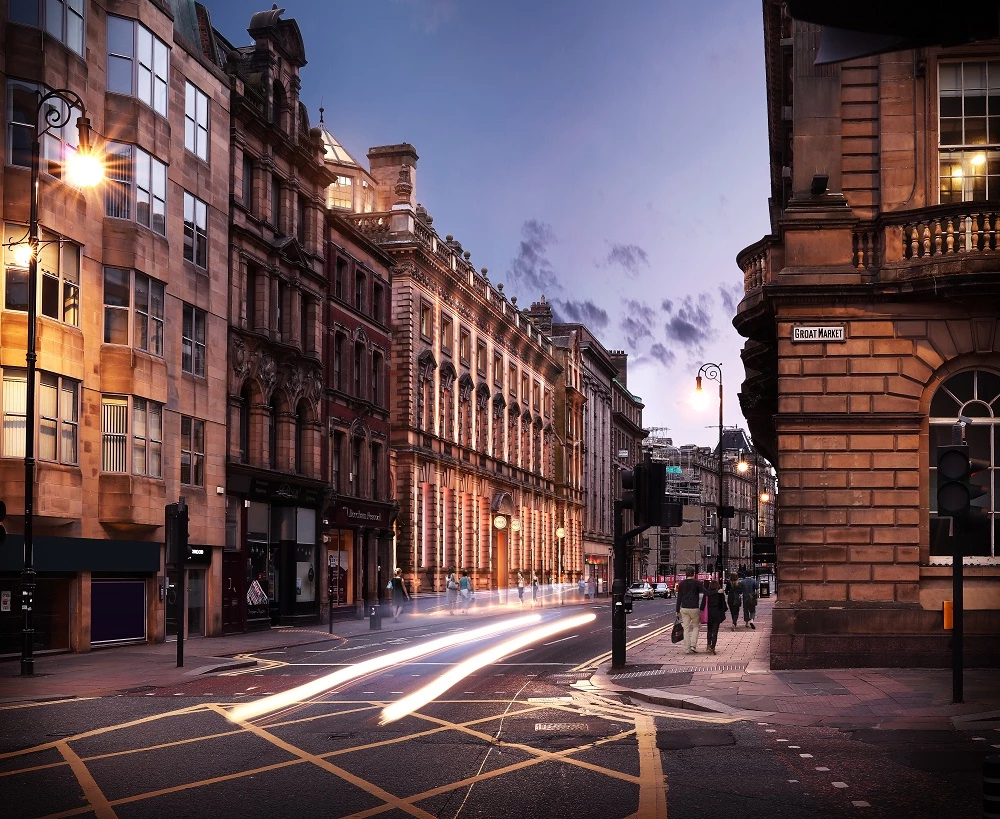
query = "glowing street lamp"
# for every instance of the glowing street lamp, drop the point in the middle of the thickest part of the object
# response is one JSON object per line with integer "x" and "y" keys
{"x": 83, "y": 168}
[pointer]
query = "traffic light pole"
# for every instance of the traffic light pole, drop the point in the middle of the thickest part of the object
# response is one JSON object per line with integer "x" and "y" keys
{"x": 958, "y": 604}
{"x": 618, "y": 587}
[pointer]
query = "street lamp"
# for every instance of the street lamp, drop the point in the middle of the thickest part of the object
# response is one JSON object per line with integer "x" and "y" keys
{"x": 82, "y": 169}
{"x": 560, "y": 535}
{"x": 713, "y": 372}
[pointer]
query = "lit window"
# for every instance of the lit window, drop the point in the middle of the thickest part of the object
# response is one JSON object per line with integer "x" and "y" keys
{"x": 147, "y": 436}
{"x": 969, "y": 131}
{"x": 136, "y": 187}
{"x": 196, "y": 121}
{"x": 129, "y": 294}
{"x": 62, "y": 19}
{"x": 59, "y": 279}
{"x": 341, "y": 193}
{"x": 195, "y": 230}
{"x": 138, "y": 63}
{"x": 192, "y": 451}
{"x": 193, "y": 341}
{"x": 425, "y": 321}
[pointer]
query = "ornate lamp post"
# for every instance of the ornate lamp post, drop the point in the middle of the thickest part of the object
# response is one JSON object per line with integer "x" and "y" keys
{"x": 713, "y": 372}
{"x": 82, "y": 169}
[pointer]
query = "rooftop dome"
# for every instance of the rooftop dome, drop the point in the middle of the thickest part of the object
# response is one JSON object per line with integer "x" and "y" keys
{"x": 333, "y": 151}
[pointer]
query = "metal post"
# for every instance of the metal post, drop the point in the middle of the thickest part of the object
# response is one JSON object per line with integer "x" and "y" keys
{"x": 618, "y": 593}
{"x": 721, "y": 559}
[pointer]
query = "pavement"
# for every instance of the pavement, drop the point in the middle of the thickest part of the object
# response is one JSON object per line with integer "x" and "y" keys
{"x": 736, "y": 681}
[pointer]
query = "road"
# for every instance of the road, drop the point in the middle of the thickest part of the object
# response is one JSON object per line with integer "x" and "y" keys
{"x": 522, "y": 736}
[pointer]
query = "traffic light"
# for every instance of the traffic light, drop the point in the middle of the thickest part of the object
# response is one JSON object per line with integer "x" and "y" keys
{"x": 3, "y": 514}
{"x": 634, "y": 492}
{"x": 176, "y": 520}
{"x": 654, "y": 490}
{"x": 628, "y": 488}
{"x": 956, "y": 492}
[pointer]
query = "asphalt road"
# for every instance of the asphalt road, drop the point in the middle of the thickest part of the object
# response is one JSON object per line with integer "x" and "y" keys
{"x": 522, "y": 736}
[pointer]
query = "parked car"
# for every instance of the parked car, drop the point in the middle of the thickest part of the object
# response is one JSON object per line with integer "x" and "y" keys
{"x": 641, "y": 589}
{"x": 663, "y": 590}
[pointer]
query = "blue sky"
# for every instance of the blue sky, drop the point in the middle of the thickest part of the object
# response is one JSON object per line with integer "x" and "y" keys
{"x": 611, "y": 155}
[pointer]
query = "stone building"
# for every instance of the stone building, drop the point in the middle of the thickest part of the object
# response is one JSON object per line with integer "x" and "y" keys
{"x": 277, "y": 299}
{"x": 130, "y": 390}
{"x": 360, "y": 510}
{"x": 472, "y": 386}
{"x": 871, "y": 317}
{"x": 627, "y": 436}
{"x": 598, "y": 461}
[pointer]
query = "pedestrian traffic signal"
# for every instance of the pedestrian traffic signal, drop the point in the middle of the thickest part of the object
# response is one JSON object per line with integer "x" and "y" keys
{"x": 956, "y": 492}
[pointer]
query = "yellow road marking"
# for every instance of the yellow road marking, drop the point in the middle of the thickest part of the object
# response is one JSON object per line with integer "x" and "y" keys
{"x": 390, "y": 800}
{"x": 47, "y": 702}
{"x": 264, "y": 664}
{"x": 652, "y": 788}
{"x": 594, "y": 662}
{"x": 91, "y": 790}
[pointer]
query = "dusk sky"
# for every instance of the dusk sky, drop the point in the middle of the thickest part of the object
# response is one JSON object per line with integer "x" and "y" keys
{"x": 610, "y": 155}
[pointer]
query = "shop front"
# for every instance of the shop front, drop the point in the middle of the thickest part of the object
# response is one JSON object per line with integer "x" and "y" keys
{"x": 273, "y": 575}
{"x": 358, "y": 561}
{"x": 597, "y": 573}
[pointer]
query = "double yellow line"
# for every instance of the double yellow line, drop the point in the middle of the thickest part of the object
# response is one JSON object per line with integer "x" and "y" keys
{"x": 593, "y": 663}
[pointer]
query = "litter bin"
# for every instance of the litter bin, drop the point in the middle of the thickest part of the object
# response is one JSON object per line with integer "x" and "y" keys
{"x": 374, "y": 617}
{"x": 765, "y": 588}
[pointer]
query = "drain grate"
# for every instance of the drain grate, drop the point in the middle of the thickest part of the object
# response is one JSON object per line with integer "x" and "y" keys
{"x": 562, "y": 726}
{"x": 674, "y": 669}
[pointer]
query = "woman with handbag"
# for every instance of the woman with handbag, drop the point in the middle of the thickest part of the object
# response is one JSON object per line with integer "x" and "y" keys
{"x": 465, "y": 589}
{"x": 451, "y": 590}
{"x": 715, "y": 613}
{"x": 399, "y": 595}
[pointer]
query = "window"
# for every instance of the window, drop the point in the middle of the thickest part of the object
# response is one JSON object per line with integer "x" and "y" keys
{"x": 63, "y": 19}
{"x": 15, "y": 401}
{"x": 525, "y": 388}
{"x": 276, "y": 202}
{"x": 498, "y": 369}
{"x": 338, "y": 283}
{"x": 300, "y": 219}
{"x": 272, "y": 437}
{"x": 338, "y": 448}
{"x": 376, "y": 379}
{"x": 512, "y": 380}
{"x": 969, "y": 131}
{"x": 132, "y": 293}
{"x": 305, "y": 324}
{"x": 426, "y": 318}
{"x": 58, "y": 416}
{"x": 196, "y": 121}
{"x": 359, "y": 352}
{"x": 976, "y": 395}
{"x": 195, "y": 230}
{"x": 193, "y": 341}
{"x": 136, "y": 187}
{"x": 245, "y": 401}
{"x": 338, "y": 361}
{"x": 57, "y": 145}
{"x": 536, "y": 396}
{"x": 138, "y": 63}
{"x": 481, "y": 358}
{"x": 59, "y": 275}
{"x": 464, "y": 345}
{"x": 300, "y": 440}
{"x": 340, "y": 193}
{"x": 376, "y": 461}
{"x": 248, "y": 169}
{"x": 359, "y": 291}
{"x": 192, "y": 451}
{"x": 446, "y": 334}
{"x": 147, "y": 436}
{"x": 356, "y": 467}
{"x": 378, "y": 303}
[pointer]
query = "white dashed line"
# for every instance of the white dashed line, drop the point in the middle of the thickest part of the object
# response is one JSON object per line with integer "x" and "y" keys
{"x": 793, "y": 780}
{"x": 806, "y": 756}
{"x": 771, "y": 731}
{"x": 794, "y": 746}
{"x": 782, "y": 740}
{"x": 821, "y": 768}
{"x": 979, "y": 739}
{"x": 839, "y": 784}
{"x": 860, "y": 803}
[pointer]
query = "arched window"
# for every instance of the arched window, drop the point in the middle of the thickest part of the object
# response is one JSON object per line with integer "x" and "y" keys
{"x": 972, "y": 396}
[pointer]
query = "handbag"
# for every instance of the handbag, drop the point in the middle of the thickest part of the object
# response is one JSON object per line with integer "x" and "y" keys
{"x": 677, "y": 634}
{"x": 703, "y": 614}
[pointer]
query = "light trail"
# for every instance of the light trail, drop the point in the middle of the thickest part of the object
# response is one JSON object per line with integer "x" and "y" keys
{"x": 453, "y": 676}
{"x": 301, "y": 693}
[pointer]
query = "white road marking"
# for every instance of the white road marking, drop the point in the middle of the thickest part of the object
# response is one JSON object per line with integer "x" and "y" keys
{"x": 806, "y": 756}
{"x": 860, "y": 803}
{"x": 821, "y": 768}
{"x": 839, "y": 784}
{"x": 559, "y": 640}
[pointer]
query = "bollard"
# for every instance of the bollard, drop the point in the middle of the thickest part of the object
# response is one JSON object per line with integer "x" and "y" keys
{"x": 991, "y": 787}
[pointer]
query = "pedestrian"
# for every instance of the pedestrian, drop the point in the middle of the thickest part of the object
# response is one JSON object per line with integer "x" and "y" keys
{"x": 689, "y": 592}
{"x": 520, "y": 589}
{"x": 716, "y": 604}
{"x": 734, "y": 595}
{"x": 400, "y": 597}
{"x": 451, "y": 590}
{"x": 749, "y": 586}
{"x": 534, "y": 589}
{"x": 465, "y": 590}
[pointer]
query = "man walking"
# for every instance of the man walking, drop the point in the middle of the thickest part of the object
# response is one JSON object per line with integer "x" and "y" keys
{"x": 689, "y": 593}
{"x": 749, "y": 585}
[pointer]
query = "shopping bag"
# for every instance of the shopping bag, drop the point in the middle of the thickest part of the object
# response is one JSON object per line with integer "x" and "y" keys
{"x": 678, "y": 633}
{"x": 703, "y": 614}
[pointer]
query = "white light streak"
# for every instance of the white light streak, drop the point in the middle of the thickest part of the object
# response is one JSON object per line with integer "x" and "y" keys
{"x": 453, "y": 676}
{"x": 314, "y": 688}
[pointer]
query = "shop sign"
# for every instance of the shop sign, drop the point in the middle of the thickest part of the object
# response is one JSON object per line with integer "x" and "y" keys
{"x": 827, "y": 333}
{"x": 362, "y": 514}
{"x": 272, "y": 491}
{"x": 199, "y": 555}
